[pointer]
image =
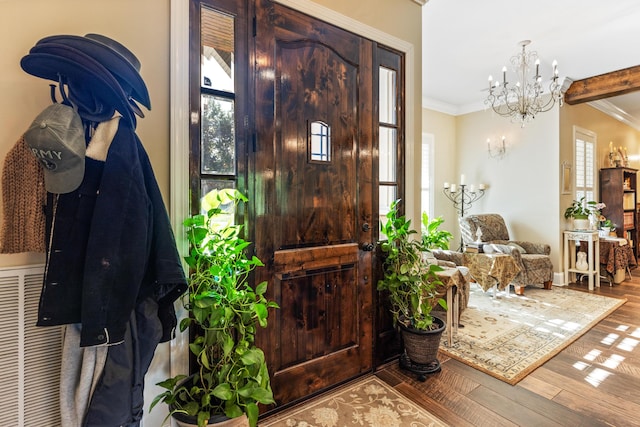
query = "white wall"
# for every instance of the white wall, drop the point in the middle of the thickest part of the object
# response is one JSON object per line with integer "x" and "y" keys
{"x": 443, "y": 128}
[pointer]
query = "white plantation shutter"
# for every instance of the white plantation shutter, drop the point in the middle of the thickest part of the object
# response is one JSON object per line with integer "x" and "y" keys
{"x": 30, "y": 355}
{"x": 427, "y": 195}
{"x": 585, "y": 169}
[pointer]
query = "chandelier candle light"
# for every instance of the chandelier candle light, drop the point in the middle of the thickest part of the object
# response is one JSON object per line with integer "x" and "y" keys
{"x": 524, "y": 99}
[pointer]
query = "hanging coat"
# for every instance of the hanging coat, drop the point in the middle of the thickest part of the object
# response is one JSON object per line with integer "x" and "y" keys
{"x": 130, "y": 251}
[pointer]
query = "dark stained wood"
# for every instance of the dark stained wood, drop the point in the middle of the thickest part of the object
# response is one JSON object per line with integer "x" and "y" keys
{"x": 603, "y": 86}
{"x": 294, "y": 260}
{"x": 613, "y": 193}
{"x": 595, "y": 381}
{"x": 387, "y": 340}
{"x": 310, "y": 215}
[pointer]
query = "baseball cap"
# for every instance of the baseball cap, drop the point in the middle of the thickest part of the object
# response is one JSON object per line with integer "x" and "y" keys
{"x": 56, "y": 139}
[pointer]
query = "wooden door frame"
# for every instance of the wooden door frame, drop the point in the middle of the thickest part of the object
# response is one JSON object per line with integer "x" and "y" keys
{"x": 180, "y": 119}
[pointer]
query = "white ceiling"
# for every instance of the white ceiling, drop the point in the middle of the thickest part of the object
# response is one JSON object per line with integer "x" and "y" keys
{"x": 465, "y": 41}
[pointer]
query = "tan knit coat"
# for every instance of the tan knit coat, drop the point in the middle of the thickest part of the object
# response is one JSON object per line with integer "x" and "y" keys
{"x": 23, "y": 201}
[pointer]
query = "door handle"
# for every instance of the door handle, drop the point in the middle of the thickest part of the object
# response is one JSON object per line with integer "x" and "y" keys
{"x": 368, "y": 247}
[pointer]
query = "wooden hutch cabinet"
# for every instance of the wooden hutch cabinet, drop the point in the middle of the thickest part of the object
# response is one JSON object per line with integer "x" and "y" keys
{"x": 618, "y": 190}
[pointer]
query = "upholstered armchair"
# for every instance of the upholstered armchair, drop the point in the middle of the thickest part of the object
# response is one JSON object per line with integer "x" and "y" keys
{"x": 532, "y": 258}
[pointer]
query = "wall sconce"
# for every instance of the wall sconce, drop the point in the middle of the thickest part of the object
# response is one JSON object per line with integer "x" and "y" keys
{"x": 497, "y": 151}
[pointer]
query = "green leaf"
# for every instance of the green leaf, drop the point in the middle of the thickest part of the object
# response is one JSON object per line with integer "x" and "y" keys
{"x": 203, "y": 418}
{"x": 195, "y": 348}
{"x": 227, "y": 346}
{"x": 262, "y": 313}
{"x": 184, "y": 324}
{"x": 247, "y": 390}
{"x": 204, "y": 302}
{"x": 261, "y": 395}
{"x": 170, "y": 383}
{"x": 204, "y": 360}
{"x": 191, "y": 408}
{"x": 223, "y": 391}
{"x": 261, "y": 288}
{"x": 253, "y": 356}
{"x": 159, "y": 398}
{"x": 232, "y": 410}
{"x": 206, "y": 400}
{"x": 252, "y": 414}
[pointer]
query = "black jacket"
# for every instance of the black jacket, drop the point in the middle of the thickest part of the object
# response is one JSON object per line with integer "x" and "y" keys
{"x": 110, "y": 245}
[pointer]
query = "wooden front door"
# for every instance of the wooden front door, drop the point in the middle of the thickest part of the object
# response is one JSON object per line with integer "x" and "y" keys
{"x": 312, "y": 197}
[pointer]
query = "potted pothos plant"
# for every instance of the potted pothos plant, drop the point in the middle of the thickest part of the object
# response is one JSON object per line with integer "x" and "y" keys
{"x": 224, "y": 310}
{"x": 413, "y": 288}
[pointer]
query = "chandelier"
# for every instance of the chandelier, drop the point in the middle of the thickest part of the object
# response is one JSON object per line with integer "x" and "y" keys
{"x": 526, "y": 98}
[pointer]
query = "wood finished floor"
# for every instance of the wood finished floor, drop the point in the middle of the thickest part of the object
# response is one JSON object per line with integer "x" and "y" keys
{"x": 593, "y": 382}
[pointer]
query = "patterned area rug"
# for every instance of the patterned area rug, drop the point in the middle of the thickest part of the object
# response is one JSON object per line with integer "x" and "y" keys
{"x": 367, "y": 402}
{"x": 509, "y": 336}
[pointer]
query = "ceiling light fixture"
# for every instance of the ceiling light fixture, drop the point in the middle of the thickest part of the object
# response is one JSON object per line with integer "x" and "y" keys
{"x": 526, "y": 98}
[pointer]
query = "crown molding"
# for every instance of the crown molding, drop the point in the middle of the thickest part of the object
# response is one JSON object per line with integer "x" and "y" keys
{"x": 421, "y": 2}
{"x": 611, "y": 110}
{"x": 451, "y": 109}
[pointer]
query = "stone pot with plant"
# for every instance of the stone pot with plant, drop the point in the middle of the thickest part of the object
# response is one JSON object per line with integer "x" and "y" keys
{"x": 224, "y": 310}
{"x": 607, "y": 227}
{"x": 579, "y": 211}
{"x": 412, "y": 288}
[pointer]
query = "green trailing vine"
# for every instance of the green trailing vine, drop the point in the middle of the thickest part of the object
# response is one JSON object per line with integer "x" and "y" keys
{"x": 232, "y": 376}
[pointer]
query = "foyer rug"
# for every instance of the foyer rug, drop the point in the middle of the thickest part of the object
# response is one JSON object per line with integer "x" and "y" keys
{"x": 510, "y": 336}
{"x": 367, "y": 402}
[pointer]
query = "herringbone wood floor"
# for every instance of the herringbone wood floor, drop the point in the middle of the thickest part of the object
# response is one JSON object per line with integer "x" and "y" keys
{"x": 593, "y": 382}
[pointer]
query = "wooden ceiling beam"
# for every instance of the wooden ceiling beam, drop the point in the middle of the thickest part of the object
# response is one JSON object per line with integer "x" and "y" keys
{"x": 603, "y": 86}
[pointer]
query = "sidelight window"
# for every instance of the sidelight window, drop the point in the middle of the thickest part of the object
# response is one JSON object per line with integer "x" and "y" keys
{"x": 217, "y": 145}
{"x": 388, "y": 138}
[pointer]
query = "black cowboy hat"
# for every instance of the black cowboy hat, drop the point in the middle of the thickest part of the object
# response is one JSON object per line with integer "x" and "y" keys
{"x": 115, "y": 57}
{"x": 92, "y": 88}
